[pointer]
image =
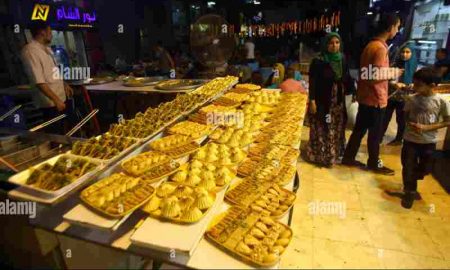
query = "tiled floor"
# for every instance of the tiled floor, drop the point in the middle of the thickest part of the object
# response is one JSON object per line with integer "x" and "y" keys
{"x": 371, "y": 230}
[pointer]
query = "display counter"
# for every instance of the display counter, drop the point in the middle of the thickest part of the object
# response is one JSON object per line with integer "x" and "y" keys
{"x": 248, "y": 166}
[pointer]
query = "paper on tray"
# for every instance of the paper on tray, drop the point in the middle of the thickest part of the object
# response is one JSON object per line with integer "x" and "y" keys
{"x": 83, "y": 216}
{"x": 167, "y": 236}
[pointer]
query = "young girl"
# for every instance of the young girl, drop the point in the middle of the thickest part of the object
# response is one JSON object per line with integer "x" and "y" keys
{"x": 407, "y": 61}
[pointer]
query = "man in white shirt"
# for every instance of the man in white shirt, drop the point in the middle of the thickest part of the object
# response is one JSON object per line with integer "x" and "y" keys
{"x": 40, "y": 66}
{"x": 250, "y": 48}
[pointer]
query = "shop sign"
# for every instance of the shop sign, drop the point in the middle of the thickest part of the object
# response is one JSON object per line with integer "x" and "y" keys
{"x": 64, "y": 16}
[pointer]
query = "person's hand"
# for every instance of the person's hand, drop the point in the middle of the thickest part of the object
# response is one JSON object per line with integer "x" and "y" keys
{"x": 68, "y": 90}
{"x": 353, "y": 98}
{"x": 400, "y": 85}
{"x": 420, "y": 127}
{"x": 60, "y": 106}
{"x": 313, "y": 107}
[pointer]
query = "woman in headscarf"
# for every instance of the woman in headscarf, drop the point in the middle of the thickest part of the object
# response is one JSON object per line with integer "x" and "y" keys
{"x": 277, "y": 76}
{"x": 407, "y": 61}
{"x": 329, "y": 82}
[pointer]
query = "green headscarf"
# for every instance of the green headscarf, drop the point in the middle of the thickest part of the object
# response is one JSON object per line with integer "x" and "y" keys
{"x": 335, "y": 59}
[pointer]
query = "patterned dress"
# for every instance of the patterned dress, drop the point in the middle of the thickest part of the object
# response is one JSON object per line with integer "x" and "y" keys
{"x": 327, "y": 138}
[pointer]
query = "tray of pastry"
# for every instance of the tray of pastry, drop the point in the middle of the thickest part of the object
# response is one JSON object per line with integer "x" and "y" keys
{"x": 106, "y": 147}
{"x": 205, "y": 175}
{"x": 255, "y": 239}
{"x": 117, "y": 195}
{"x": 170, "y": 142}
{"x": 232, "y": 137}
{"x": 191, "y": 129}
{"x": 246, "y": 86}
{"x": 286, "y": 174}
{"x": 180, "y": 203}
{"x": 263, "y": 197}
{"x": 58, "y": 175}
{"x": 159, "y": 172}
{"x": 138, "y": 165}
{"x": 231, "y": 99}
{"x": 268, "y": 98}
{"x": 180, "y": 84}
{"x": 143, "y": 81}
{"x": 220, "y": 154}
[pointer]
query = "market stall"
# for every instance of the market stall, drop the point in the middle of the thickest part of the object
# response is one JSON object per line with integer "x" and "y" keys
{"x": 211, "y": 174}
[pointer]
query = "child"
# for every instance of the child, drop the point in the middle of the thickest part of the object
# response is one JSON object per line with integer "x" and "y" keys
{"x": 422, "y": 114}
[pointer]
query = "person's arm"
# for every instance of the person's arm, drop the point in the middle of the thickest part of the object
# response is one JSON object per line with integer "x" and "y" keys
{"x": 444, "y": 111}
{"x": 349, "y": 83}
{"x": 45, "y": 89}
{"x": 422, "y": 127}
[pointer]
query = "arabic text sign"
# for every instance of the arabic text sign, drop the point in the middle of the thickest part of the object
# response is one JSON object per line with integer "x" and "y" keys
{"x": 64, "y": 15}
{"x": 74, "y": 14}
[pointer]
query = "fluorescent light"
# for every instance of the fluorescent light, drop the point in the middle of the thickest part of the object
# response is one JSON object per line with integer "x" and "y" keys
{"x": 256, "y": 2}
{"x": 211, "y": 4}
{"x": 427, "y": 42}
{"x": 369, "y": 13}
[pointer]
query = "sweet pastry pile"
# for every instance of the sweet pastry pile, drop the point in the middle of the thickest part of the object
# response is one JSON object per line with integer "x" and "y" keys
{"x": 143, "y": 162}
{"x": 247, "y": 86}
{"x": 232, "y": 137}
{"x": 205, "y": 175}
{"x": 269, "y": 98}
{"x": 265, "y": 198}
{"x": 180, "y": 203}
{"x": 191, "y": 129}
{"x": 232, "y": 99}
{"x": 156, "y": 173}
{"x": 170, "y": 142}
{"x": 65, "y": 171}
{"x": 117, "y": 195}
{"x": 146, "y": 124}
{"x": 220, "y": 154}
{"x": 255, "y": 238}
{"x": 105, "y": 147}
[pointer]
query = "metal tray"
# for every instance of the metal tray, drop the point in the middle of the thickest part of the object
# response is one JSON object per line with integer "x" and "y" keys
{"x": 21, "y": 178}
{"x": 143, "y": 81}
{"x": 180, "y": 84}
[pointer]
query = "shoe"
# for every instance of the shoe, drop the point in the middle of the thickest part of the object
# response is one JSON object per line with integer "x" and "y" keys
{"x": 407, "y": 200}
{"x": 400, "y": 194}
{"x": 383, "y": 170}
{"x": 395, "y": 142}
{"x": 352, "y": 163}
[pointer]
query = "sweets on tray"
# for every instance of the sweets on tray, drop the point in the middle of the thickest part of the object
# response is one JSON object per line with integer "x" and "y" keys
{"x": 180, "y": 203}
{"x": 220, "y": 154}
{"x": 205, "y": 175}
{"x": 231, "y": 99}
{"x": 170, "y": 142}
{"x": 117, "y": 195}
{"x": 270, "y": 98}
{"x": 263, "y": 197}
{"x": 143, "y": 162}
{"x": 156, "y": 173}
{"x": 105, "y": 147}
{"x": 256, "y": 239}
{"x": 65, "y": 171}
{"x": 232, "y": 137}
{"x": 247, "y": 86}
{"x": 191, "y": 129}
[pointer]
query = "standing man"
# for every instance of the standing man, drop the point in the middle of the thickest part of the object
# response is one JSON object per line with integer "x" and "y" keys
{"x": 250, "y": 50}
{"x": 41, "y": 67}
{"x": 372, "y": 96}
{"x": 165, "y": 61}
